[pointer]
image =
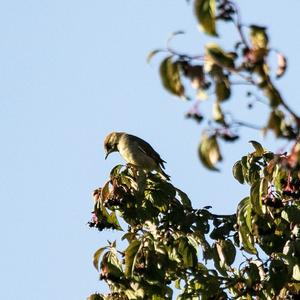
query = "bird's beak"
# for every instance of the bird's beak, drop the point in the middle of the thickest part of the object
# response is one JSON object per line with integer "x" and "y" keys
{"x": 108, "y": 152}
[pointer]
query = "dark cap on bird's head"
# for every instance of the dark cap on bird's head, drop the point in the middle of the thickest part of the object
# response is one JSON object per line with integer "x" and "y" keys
{"x": 111, "y": 142}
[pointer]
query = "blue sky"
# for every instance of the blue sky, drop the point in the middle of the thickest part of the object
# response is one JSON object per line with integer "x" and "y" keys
{"x": 71, "y": 72}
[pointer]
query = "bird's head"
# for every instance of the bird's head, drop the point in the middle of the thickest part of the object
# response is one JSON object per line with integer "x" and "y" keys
{"x": 111, "y": 143}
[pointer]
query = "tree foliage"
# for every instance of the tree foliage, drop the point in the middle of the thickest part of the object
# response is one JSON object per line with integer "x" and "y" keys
{"x": 171, "y": 246}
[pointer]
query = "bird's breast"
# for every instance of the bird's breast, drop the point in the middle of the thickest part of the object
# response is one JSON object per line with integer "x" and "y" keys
{"x": 133, "y": 155}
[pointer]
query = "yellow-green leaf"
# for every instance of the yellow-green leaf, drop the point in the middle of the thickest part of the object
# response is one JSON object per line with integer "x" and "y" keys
{"x": 219, "y": 56}
{"x": 218, "y": 115}
{"x": 259, "y": 37}
{"x": 259, "y": 150}
{"x": 222, "y": 89}
{"x": 97, "y": 255}
{"x": 237, "y": 172}
{"x": 205, "y": 11}
{"x": 209, "y": 152}
{"x": 170, "y": 77}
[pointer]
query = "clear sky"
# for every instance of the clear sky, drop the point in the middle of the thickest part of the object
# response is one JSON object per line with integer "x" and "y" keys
{"x": 71, "y": 72}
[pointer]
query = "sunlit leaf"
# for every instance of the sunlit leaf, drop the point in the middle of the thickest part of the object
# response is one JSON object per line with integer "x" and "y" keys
{"x": 95, "y": 297}
{"x": 205, "y": 12}
{"x": 112, "y": 219}
{"x": 259, "y": 150}
{"x": 237, "y": 171}
{"x": 97, "y": 255}
{"x": 222, "y": 89}
{"x": 209, "y": 152}
{"x": 184, "y": 198}
{"x": 296, "y": 272}
{"x": 130, "y": 256}
{"x": 218, "y": 115}
{"x": 221, "y": 58}
{"x": 259, "y": 37}
{"x": 244, "y": 216}
{"x": 255, "y": 197}
{"x": 170, "y": 76}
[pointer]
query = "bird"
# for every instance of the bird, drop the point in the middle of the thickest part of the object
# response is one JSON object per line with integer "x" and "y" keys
{"x": 135, "y": 151}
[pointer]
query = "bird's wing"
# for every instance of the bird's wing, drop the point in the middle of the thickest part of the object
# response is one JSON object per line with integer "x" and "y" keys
{"x": 149, "y": 151}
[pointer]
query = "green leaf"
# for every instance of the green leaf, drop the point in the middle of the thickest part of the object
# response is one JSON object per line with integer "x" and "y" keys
{"x": 185, "y": 200}
{"x": 222, "y": 89}
{"x": 205, "y": 12}
{"x": 291, "y": 214}
{"x": 112, "y": 219}
{"x": 188, "y": 253}
{"x": 114, "y": 264}
{"x": 245, "y": 225}
{"x": 237, "y": 172}
{"x": 219, "y": 56}
{"x": 209, "y": 152}
{"x": 218, "y": 115}
{"x": 170, "y": 77}
{"x": 105, "y": 191}
{"x": 95, "y": 297}
{"x": 255, "y": 197}
{"x": 226, "y": 252}
{"x": 259, "y": 150}
{"x": 130, "y": 257}
{"x": 97, "y": 255}
{"x": 116, "y": 171}
{"x": 259, "y": 37}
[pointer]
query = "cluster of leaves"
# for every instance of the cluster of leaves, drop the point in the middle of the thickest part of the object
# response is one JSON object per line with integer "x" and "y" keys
{"x": 215, "y": 72}
{"x": 171, "y": 248}
{"x": 167, "y": 240}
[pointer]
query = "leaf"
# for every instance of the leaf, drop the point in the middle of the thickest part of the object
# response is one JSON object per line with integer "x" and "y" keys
{"x": 130, "y": 257}
{"x": 296, "y": 272}
{"x": 170, "y": 77}
{"x": 259, "y": 150}
{"x": 152, "y": 54}
{"x": 259, "y": 37}
{"x": 282, "y": 65}
{"x": 218, "y": 115}
{"x": 113, "y": 264}
{"x": 95, "y": 297}
{"x": 222, "y": 89}
{"x": 185, "y": 200}
{"x": 221, "y": 58}
{"x": 112, "y": 219}
{"x": 291, "y": 214}
{"x": 245, "y": 225}
{"x": 188, "y": 253}
{"x": 226, "y": 252}
{"x": 105, "y": 191}
{"x": 97, "y": 255}
{"x": 209, "y": 152}
{"x": 205, "y": 12}
{"x": 237, "y": 172}
{"x": 116, "y": 171}
{"x": 255, "y": 197}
